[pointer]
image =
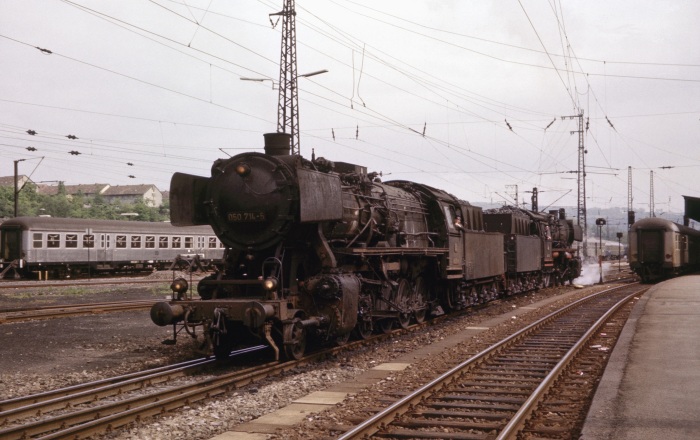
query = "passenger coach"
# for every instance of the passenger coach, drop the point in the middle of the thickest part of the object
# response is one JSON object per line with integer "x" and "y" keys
{"x": 659, "y": 248}
{"x": 59, "y": 247}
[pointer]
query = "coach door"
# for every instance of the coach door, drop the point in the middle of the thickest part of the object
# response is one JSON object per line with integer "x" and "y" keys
{"x": 11, "y": 244}
{"x": 650, "y": 247}
{"x": 104, "y": 250}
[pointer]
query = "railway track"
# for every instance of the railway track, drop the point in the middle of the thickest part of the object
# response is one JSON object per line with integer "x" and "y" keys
{"x": 493, "y": 394}
{"x": 81, "y": 411}
{"x": 86, "y": 409}
{"x": 96, "y": 407}
{"x": 60, "y": 311}
{"x": 11, "y": 284}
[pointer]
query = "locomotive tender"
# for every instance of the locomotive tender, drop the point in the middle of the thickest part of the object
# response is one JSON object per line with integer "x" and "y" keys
{"x": 660, "y": 248}
{"x": 537, "y": 246}
{"x": 316, "y": 250}
{"x": 60, "y": 247}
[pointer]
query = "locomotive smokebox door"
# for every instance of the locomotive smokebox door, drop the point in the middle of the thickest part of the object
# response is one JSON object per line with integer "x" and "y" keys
{"x": 320, "y": 196}
{"x": 187, "y": 193}
{"x": 251, "y": 200}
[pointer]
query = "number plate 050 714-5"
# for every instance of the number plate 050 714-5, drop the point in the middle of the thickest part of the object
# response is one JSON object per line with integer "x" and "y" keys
{"x": 246, "y": 217}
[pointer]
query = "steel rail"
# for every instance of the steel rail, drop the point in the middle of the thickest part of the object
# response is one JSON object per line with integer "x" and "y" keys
{"x": 106, "y": 417}
{"x": 43, "y": 403}
{"x": 516, "y": 422}
{"x": 96, "y": 414}
{"x": 63, "y": 306}
{"x": 8, "y": 284}
{"x": 72, "y": 310}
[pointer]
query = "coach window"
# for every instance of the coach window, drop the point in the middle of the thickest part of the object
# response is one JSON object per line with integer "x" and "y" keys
{"x": 189, "y": 242}
{"x": 221, "y": 244}
{"x": 38, "y": 240}
{"x": 121, "y": 241}
{"x": 71, "y": 240}
{"x": 212, "y": 242}
{"x": 177, "y": 242}
{"x": 150, "y": 242}
{"x": 88, "y": 241}
{"x": 53, "y": 240}
{"x": 163, "y": 242}
{"x": 135, "y": 241}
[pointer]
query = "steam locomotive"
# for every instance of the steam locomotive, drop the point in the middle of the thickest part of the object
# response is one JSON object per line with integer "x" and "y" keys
{"x": 317, "y": 250}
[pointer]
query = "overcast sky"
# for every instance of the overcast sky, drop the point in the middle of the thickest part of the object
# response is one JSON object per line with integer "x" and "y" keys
{"x": 467, "y": 96}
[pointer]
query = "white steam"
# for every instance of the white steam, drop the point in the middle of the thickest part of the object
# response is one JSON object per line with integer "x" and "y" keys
{"x": 590, "y": 274}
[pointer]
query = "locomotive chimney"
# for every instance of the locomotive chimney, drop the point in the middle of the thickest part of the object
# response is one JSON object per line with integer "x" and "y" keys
{"x": 277, "y": 144}
{"x": 554, "y": 213}
{"x": 562, "y": 213}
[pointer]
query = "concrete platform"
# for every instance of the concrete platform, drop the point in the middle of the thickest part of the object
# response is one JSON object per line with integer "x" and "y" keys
{"x": 651, "y": 386}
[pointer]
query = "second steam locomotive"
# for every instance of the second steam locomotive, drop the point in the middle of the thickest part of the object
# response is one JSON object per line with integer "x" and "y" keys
{"x": 317, "y": 250}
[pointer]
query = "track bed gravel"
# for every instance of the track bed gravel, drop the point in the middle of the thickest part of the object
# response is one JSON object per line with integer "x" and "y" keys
{"x": 43, "y": 355}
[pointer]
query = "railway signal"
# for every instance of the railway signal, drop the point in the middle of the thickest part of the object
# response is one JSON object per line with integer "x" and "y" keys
{"x": 600, "y": 222}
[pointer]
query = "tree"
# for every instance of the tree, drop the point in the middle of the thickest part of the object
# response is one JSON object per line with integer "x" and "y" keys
{"x": 31, "y": 203}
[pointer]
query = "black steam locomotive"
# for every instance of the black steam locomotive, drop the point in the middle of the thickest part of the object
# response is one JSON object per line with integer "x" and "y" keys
{"x": 317, "y": 250}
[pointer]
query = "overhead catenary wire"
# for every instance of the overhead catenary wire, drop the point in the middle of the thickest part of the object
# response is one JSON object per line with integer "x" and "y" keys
{"x": 378, "y": 116}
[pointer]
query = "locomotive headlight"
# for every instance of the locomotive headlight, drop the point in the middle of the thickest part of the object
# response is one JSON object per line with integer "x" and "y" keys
{"x": 242, "y": 169}
{"x": 270, "y": 284}
{"x": 179, "y": 286}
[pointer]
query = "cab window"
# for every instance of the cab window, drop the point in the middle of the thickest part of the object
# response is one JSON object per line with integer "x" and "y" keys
{"x": 450, "y": 217}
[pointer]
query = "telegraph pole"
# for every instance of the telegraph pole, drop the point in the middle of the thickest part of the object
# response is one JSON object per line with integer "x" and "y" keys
{"x": 581, "y": 181}
{"x": 651, "y": 194}
{"x": 288, "y": 103}
{"x": 17, "y": 189}
{"x": 630, "y": 212}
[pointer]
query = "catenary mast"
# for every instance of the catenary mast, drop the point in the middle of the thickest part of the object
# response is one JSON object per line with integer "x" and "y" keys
{"x": 581, "y": 173}
{"x": 288, "y": 103}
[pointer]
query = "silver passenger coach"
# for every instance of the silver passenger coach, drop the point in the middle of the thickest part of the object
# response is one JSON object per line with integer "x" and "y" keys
{"x": 43, "y": 246}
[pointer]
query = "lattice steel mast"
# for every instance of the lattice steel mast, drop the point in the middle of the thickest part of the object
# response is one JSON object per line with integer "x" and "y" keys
{"x": 581, "y": 173}
{"x": 288, "y": 103}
